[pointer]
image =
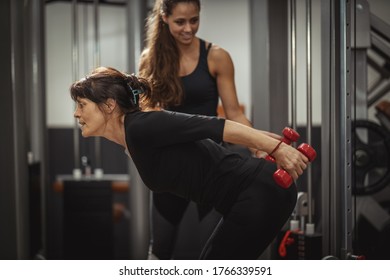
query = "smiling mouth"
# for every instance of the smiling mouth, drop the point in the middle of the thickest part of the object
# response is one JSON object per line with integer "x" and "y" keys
{"x": 81, "y": 124}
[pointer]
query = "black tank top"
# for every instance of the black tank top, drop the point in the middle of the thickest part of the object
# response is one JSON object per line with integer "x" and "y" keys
{"x": 200, "y": 88}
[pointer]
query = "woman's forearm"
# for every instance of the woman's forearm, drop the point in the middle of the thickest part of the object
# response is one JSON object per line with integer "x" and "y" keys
{"x": 237, "y": 133}
{"x": 287, "y": 157}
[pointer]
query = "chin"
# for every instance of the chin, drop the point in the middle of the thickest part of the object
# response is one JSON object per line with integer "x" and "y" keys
{"x": 186, "y": 41}
{"x": 85, "y": 134}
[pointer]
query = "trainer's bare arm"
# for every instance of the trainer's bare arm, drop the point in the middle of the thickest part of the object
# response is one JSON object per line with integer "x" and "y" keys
{"x": 287, "y": 157}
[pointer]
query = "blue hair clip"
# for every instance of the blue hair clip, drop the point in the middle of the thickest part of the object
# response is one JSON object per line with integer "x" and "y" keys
{"x": 135, "y": 93}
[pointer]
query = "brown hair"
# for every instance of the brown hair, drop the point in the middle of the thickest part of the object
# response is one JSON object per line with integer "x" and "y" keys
{"x": 160, "y": 60}
{"x": 107, "y": 82}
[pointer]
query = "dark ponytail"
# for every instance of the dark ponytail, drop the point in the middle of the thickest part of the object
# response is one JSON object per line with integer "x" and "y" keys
{"x": 107, "y": 82}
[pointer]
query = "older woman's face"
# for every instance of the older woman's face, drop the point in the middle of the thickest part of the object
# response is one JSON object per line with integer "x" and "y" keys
{"x": 91, "y": 119}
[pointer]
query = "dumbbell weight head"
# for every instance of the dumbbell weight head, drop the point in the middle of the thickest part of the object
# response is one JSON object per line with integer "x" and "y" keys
{"x": 290, "y": 135}
{"x": 282, "y": 178}
{"x": 308, "y": 151}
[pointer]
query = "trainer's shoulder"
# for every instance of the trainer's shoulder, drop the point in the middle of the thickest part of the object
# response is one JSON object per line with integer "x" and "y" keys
{"x": 218, "y": 53}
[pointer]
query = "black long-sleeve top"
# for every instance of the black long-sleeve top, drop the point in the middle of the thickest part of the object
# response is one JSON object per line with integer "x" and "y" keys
{"x": 178, "y": 153}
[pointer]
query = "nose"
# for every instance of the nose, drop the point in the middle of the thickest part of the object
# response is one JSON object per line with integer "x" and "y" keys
{"x": 187, "y": 27}
{"x": 76, "y": 113}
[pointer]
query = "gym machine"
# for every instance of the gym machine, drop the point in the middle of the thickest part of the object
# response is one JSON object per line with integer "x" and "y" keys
{"x": 355, "y": 155}
{"x": 355, "y": 151}
{"x": 271, "y": 85}
{"x": 372, "y": 145}
{"x": 300, "y": 240}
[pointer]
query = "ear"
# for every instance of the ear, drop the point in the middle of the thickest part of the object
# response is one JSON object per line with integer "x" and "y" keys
{"x": 164, "y": 18}
{"x": 110, "y": 105}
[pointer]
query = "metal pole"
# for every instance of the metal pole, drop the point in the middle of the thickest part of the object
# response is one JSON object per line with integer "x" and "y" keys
{"x": 293, "y": 91}
{"x": 98, "y": 159}
{"x": 346, "y": 126}
{"x": 37, "y": 117}
{"x": 85, "y": 39}
{"x": 328, "y": 146}
{"x": 293, "y": 17}
{"x": 75, "y": 77}
{"x": 309, "y": 108}
{"x": 96, "y": 52}
{"x": 139, "y": 195}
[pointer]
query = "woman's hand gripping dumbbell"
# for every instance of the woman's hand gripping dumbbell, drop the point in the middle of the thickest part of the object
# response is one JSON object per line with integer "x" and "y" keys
{"x": 281, "y": 176}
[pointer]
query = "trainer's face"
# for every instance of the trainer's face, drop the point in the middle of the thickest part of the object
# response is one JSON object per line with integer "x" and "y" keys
{"x": 91, "y": 119}
{"x": 183, "y": 23}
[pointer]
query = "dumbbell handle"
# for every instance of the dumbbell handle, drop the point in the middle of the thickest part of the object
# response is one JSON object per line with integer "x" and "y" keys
{"x": 281, "y": 176}
{"x": 290, "y": 135}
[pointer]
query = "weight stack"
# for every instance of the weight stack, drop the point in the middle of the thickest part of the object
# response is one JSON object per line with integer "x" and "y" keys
{"x": 301, "y": 246}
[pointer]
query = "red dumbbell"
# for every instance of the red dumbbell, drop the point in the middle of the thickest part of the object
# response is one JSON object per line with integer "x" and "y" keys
{"x": 290, "y": 135}
{"x": 281, "y": 176}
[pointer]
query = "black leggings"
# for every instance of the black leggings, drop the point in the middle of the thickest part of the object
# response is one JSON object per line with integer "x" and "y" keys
{"x": 167, "y": 214}
{"x": 254, "y": 220}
